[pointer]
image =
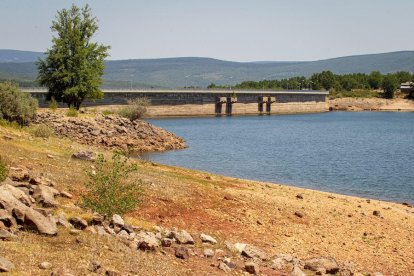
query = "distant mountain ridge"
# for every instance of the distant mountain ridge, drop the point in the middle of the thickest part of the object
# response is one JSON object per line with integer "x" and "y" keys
{"x": 200, "y": 72}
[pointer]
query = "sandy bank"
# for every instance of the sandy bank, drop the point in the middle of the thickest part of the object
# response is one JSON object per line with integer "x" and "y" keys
{"x": 359, "y": 104}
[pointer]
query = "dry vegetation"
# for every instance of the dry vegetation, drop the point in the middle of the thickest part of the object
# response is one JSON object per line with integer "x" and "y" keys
{"x": 231, "y": 209}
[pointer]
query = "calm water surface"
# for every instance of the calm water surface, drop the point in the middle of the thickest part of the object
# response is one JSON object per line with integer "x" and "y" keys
{"x": 369, "y": 154}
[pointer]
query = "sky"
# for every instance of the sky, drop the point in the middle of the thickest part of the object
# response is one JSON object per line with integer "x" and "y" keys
{"x": 237, "y": 30}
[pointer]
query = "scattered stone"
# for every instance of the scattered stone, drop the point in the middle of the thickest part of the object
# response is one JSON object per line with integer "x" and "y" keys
{"x": 75, "y": 232}
{"x": 5, "y": 265}
{"x": 66, "y": 194}
{"x": 94, "y": 266}
{"x": 112, "y": 273}
{"x": 97, "y": 220}
{"x": 61, "y": 220}
{"x": 253, "y": 253}
{"x": 147, "y": 241}
{"x": 85, "y": 155}
{"x": 299, "y": 196}
{"x": 19, "y": 174}
{"x": 8, "y": 220}
{"x": 376, "y": 213}
{"x": 327, "y": 263}
{"x": 183, "y": 237}
{"x": 6, "y": 235}
{"x": 41, "y": 180}
{"x": 123, "y": 234}
{"x": 45, "y": 265}
{"x": 78, "y": 223}
{"x": 46, "y": 196}
{"x": 101, "y": 230}
{"x": 117, "y": 220}
{"x": 224, "y": 267}
{"x": 259, "y": 222}
{"x": 18, "y": 194}
{"x": 297, "y": 272}
{"x": 208, "y": 239}
{"x": 50, "y": 156}
{"x": 331, "y": 197}
{"x": 208, "y": 253}
{"x": 299, "y": 214}
{"x": 251, "y": 267}
{"x": 62, "y": 272}
{"x": 28, "y": 217}
{"x": 228, "y": 197}
{"x": 166, "y": 242}
{"x": 181, "y": 252}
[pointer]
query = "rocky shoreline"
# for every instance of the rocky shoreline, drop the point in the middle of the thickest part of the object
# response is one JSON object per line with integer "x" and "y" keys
{"x": 111, "y": 132}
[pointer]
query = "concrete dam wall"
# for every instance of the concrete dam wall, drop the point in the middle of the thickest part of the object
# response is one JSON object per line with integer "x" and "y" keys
{"x": 210, "y": 102}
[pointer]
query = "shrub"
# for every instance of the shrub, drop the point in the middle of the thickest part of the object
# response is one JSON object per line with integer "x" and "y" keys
{"x": 53, "y": 105}
{"x": 109, "y": 190}
{"x": 107, "y": 112}
{"x": 135, "y": 109}
{"x": 4, "y": 170}
{"x": 72, "y": 112}
{"x": 16, "y": 106}
{"x": 42, "y": 130}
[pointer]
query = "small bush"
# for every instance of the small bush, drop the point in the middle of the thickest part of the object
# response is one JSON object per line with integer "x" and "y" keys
{"x": 72, "y": 112}
{"x": 16, "y": 106}
{"x": 135, "y": 109}
{"x": 42, "y": 130}
{"x": 107, "y": 112}
{"x": 4, "y": 170}
{"x": 53, "y": 105}
{"x": 109, "y": 190}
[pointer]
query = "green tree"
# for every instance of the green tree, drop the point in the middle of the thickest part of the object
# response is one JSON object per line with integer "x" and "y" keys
{"x": 375, "y": 80}
{"x": 390, "y": 84}
{"x": 74, "y": 65}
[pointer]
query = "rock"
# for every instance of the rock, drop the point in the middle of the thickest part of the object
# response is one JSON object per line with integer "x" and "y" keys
{"x": 30, "y": 218}
{"x": 208, "y": 239}
{"x": 6, "y": 235}
{"x": 208, "y": 253}
{"x": 299, "y": 196}
{"x": 18, "y": 194}
{"x": 183, "y": 237}
{"x": 94, "y": 266}
{"x": 112, "y": 273}
{"x": 166, "y": 242}
{"x": 182, "y": 252}
{"x": 101, "y": 230}
{"x": 50, "y": 156}
{"x": 97, "y": 220}
{"x": 41, "y": 180}
{"x": 85, "y": 155}
{"x": 117, "y": 220}
{"x": 75, "y": 232}
{"x": 62, "y": 272}
{"x": 299, "y": 214}
{"x": 61, "y": 220}
{"x": 251, "y": 267}
{"x": 376, "y": 213}
{"x": 91, "y": 230}
{"x": 8, "y": 220}
{"x": 239, "y": 247}
{"x": 45, "y": 265}
{"x": 19, "y": 174}
{"x": 5, "y": 265}
{"x": 123, "y": 235}
{"x": 253, "y": 253}
{"x": 297, "y": 272}
{"x": 66, "y": 194}
{"x": 224, "y": 267}
{"x": 327, "y": 263}
{"x": 46, "y": 196}
{"x": 147, "y": 241}
{"x": 78, "y": 223}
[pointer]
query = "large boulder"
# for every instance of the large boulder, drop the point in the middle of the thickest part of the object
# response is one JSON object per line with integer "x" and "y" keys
{"x": 147, "y": 241}
{"x": 19, "y": 174}
{"x": 18, "y": 194}
{"x": 182, "y": 237}
{"x": 253, "y": 253}
{"x": 85, "y": 155}
{"x": 208, "y": 239}
{"x": 5, "y": 265}
{"x": 29, "y": 217}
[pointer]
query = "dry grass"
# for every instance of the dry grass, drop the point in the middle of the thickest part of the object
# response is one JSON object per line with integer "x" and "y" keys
{"x": 256, "y": 213}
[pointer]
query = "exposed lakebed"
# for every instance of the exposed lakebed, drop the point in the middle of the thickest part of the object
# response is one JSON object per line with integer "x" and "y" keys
{"x": 368, "y": 154}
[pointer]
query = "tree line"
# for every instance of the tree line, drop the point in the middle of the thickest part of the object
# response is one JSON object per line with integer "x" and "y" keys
{"x": 327, "y": 80}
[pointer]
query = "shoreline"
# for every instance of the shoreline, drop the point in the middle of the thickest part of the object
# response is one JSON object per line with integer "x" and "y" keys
{"x": 262, "y": 214}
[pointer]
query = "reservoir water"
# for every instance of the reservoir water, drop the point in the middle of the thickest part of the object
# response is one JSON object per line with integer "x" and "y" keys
{"x": 367, "y": 154}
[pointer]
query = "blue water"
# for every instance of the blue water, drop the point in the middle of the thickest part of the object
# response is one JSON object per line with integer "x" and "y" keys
{"x": 368, "y": 154}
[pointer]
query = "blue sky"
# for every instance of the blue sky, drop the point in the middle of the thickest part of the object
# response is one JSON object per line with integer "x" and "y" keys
{"x": 239, "y": 30}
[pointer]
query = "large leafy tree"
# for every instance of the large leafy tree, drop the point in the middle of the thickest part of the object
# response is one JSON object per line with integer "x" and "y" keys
{"x": 390, "y": 85}
{"x": 74, "y": 65}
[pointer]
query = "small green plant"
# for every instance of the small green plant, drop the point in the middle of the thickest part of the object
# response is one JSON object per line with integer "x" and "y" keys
{"x": 4, "y": 170}
{"x": 107, "y": 112}
{"x": 41, "y": 130}
{"x": 72, "y": 112}
{"x": 135, "y": 109}
{"x": 109, "y": 190}
{"x": 53, "y": 105}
